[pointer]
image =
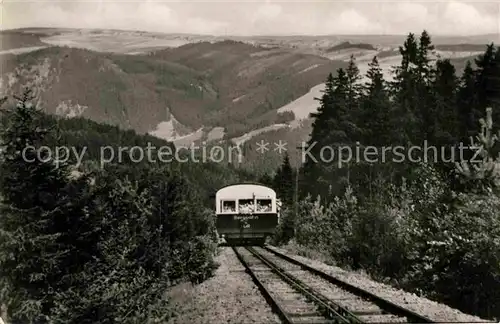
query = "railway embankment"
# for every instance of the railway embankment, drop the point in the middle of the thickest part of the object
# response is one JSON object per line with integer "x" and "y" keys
{"x": 231, "y": 296}
{"x": 437, "y": 312}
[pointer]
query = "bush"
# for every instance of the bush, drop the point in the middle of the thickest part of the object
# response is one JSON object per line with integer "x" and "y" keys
{"x": 420, "y": 236}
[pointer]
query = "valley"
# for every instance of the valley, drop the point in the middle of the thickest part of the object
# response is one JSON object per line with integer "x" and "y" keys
{"x": 194, "y": 88}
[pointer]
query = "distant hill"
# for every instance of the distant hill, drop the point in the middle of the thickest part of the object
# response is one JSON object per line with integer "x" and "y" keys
{"x": 192, "y": 88}
{"x": 348, "y": 45}
{"x": 227, "y": 84}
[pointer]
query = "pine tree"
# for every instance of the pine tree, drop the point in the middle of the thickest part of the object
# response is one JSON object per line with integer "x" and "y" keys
{"x": 353, "y": 82}
{"x": 319, "y": 137}
{"x": 284, "y": 182}
{"x": 354, "y": 95}
{"x": 494, "y": 102}
{"x": 377, "y": 118}
{"x": 467, "y": 103}
{"x": 409, "y": 52}
{"x": 334, "y": 126}
{"x": 443, "y": 128}
{"x": 405, "y": 94}
{"x": 341, "y": 124}
{"x": 486, "y": 80}
{"x": 483, "y": 175}
{"x": 424, "y": 76}
{"x": 423, "y": 61}
{"x": 40, "y": 217}
{"x": 324, "y": 112}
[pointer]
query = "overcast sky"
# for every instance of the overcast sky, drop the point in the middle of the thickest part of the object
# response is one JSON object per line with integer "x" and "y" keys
{"x": 260, "y": 17}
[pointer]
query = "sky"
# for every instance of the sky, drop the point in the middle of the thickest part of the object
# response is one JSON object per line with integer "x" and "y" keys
{"x": 244, "y": 17}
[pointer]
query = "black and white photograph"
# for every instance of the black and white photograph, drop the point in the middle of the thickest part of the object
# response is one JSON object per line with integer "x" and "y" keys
{"x": 251, "y": 161}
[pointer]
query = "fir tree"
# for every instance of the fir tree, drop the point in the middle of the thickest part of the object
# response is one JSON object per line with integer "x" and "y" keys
{"x": 319, "y": 137}
{"x": 487, "y": 84}
{"x": 405, "y": 93}
{"x": 483, "y": 175}
{"x": 423, "y": 61}
{"x": 377, "y": 119}
{"x": 409, "y": 52}
{"x": 467, "y": 103}
{"x": 444, "y": 124}
{"x": 325, "y": 110}
{"x": 41, "y": 217}
{"x": 284, "y": 182}
{"x": 354, "y": 94}
{"x": 424, "y": 76}
{"x": 341, "y": 125}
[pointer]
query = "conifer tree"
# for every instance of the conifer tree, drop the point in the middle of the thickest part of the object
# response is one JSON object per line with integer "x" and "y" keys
{"x": 488, "y": 80}
{"x": 424, "y": 75}
{"x": 467, "y": 103}
{"x": 354, "y": 94}
{"x": 483, "y": 175}
{"x": 485, "y": 77}
{"x": 376, "y": 119}
{"x": 409, "y": 52}
{"x": 423, "y": 61}
{"x": 266, "y": 179}
{"x": 325, "y": 110}
{"x": 404, "y": 92}
{"x": 319, "y": 137}
{"x": 334, "y": 126}
{"x": 284, "y": 182}
{"x": 443, "y": 128}
{"x": 341, "y": 125}
{"x": 41, "y": 216}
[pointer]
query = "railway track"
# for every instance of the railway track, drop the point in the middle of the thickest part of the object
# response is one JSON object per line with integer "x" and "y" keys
{"x": 301, "y": 294}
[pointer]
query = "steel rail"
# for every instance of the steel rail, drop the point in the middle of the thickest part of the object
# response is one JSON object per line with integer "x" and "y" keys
{"x": 329, "y": 309}
{"x": 379, "y": 301}
{"x": 269, "y": 298}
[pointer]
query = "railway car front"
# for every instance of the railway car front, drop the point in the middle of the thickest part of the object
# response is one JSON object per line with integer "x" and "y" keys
{"x": 246, "y": 213}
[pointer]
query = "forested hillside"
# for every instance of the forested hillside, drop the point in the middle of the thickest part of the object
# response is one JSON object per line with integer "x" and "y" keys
{"x": 188, "y": 88}
{"x": 229, "y": 84}
{"x": 430, "y": 226}
{"x": 98, "y": 243}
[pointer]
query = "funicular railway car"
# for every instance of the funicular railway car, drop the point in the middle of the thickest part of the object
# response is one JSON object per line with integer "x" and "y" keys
{"x": 246, "y": 213}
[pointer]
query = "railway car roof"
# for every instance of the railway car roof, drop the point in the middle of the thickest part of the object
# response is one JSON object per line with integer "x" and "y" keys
{"x": 244, "y": 189}
{"x": 213, "y": 194}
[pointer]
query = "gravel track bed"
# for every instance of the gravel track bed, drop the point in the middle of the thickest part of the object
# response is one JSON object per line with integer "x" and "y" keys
{"x": 433, "y": 310}
{"x": 331, "y": 291}
{"x": 228, "y": 297}
{"x": 288, "y": 298}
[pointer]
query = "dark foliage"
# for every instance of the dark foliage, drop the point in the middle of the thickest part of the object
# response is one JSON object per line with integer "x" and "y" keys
{"x": 89, "y": 242}
{"x": 426, "y": 222}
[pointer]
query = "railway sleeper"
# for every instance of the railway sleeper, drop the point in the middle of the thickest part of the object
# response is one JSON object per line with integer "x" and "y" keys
{"x": 387, "y": 318}
{"x": 369, "y": 309}
{"x": 309, "y": 314}
{"x": 367, "y": 312}
{"x": 313, "y": 320}
{"x": 325, "y": 306}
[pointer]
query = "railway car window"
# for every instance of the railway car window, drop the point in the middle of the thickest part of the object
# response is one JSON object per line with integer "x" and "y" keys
{"x": 228, "y": 206}
{"x": 264, "y": 205}
{"x": 246, "y": 205}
